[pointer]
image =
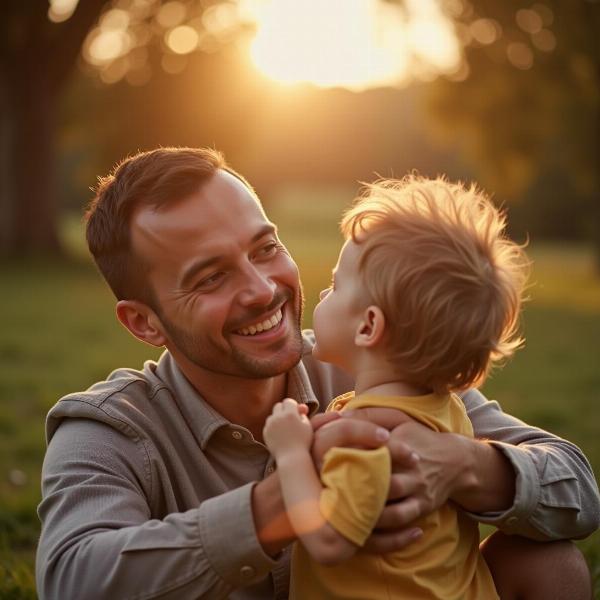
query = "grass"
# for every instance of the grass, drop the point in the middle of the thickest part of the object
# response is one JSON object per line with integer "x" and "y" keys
{"x": 59, "y": 334}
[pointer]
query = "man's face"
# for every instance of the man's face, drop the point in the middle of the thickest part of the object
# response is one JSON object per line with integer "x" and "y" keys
{"x": 228, "y": 293}
{"x": 337, "y": 316}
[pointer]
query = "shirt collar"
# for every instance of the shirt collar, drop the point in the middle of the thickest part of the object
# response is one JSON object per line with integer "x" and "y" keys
{"x": 202, "y": 418}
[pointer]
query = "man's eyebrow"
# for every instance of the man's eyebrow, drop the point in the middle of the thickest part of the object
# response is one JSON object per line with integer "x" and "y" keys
{"x": 268, "y": 229}
{"x": 202, "y": 264}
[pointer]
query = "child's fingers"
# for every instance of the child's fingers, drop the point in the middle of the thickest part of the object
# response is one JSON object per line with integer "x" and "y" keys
{"x": 290, "y": 404}
{"x": 303, "y": 409}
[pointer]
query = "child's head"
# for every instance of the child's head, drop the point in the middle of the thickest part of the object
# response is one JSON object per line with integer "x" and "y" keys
{"x": 434, "y": 259}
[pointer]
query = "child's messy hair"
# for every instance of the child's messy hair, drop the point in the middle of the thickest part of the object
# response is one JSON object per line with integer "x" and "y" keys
{"x": 436, "y": 259}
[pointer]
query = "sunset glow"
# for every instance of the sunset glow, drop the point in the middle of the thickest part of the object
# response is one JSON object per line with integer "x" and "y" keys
{"x": 351, "y": 43}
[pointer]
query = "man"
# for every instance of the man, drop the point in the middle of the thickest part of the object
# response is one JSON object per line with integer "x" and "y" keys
{"x": 156, "y": 483}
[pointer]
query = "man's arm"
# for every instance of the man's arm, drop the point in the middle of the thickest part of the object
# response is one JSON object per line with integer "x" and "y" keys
{"x": 556, "y": 495}
{"x": 99, "y": 539}
{"x": 519, "y": 478}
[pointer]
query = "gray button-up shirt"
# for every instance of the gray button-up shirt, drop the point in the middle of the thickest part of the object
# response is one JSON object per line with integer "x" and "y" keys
{"x": 147, "y": 489}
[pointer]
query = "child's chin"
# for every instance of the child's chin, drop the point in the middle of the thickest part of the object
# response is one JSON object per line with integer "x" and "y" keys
{"x": 322, "y": 356}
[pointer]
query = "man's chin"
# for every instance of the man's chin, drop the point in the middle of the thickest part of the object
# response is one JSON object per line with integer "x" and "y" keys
{"x": 257, "y": 368}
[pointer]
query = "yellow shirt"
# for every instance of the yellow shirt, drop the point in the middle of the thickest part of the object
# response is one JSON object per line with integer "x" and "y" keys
{"x": 444, "y": 563}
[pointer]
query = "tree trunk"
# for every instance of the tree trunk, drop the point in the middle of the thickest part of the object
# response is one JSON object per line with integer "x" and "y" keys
{"x": 35, "y": 63}
{"x": 35, "y": 212}
{"x": 7, "y": 163}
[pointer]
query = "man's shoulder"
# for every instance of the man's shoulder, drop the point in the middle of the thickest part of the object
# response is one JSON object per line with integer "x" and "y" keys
{"x": 117, "y": 401}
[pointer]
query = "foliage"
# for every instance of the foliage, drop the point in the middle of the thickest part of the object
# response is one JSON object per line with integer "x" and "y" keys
{"x": 525, "y": 107}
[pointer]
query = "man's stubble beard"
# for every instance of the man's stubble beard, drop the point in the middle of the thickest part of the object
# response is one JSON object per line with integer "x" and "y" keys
{"x": 235, "y": 363}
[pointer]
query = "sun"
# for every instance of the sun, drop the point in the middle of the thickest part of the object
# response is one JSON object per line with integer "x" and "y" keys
{"x": 351, "y": 43}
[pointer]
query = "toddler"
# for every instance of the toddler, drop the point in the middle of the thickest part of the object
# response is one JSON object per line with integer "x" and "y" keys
{"x": 425, "y": 297}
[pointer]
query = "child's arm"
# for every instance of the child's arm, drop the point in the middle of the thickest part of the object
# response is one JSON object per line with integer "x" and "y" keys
{"x": 288, "y": 435}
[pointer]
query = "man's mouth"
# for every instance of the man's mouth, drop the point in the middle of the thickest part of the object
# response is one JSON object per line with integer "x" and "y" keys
{"x": 264, "y": 325}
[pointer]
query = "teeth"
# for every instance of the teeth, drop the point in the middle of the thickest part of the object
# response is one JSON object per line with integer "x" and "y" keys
{"x": 263, "y": 325}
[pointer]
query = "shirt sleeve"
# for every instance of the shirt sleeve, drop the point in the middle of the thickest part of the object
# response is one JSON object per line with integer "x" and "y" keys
{"x": 98, "y": 538}
{"x": 556, "y": 492}
{"x": 355, "y": 489}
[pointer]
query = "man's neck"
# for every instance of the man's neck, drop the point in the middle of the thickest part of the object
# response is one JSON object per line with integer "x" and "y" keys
{"x": 245, "y": 402}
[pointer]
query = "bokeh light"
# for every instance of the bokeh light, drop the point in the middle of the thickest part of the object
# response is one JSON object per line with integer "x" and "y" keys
{"x": 61, "y": 10}
{"x": 171, "y": 14}
{"x": 520, "y": 55}
{"x": 529, "y": 20}
{"x": 485, "y": 31}
{"x": 182, "y": 39}
{"x": 107, "y": 45}
{"x": 544, "y": 40}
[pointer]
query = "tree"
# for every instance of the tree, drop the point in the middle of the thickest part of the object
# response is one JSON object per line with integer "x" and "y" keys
{"x": 39, "y": 48}
{"x": 36, "y": 58}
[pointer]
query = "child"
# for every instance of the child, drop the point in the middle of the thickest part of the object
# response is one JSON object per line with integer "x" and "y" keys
{"x": 425, "y": 297}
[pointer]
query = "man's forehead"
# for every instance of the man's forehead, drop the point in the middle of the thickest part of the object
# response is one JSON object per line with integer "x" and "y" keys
{"x": 220, "y": 215}
{"x": 221, "y": 200}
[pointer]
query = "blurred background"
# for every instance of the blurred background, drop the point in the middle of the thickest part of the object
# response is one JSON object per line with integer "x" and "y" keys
{"x": 306, "y": 99}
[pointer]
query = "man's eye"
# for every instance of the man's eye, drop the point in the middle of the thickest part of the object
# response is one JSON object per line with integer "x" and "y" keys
{"x": 211, "y": 280}
{"x": 268, "y": 249}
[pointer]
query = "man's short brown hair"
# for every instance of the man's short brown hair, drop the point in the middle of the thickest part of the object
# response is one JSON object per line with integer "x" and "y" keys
{"x": 151, "y": 178}
{"x": 436, "y": 259}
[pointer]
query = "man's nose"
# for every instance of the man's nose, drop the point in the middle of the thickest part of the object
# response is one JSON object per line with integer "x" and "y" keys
{"x": 258, "y": 287}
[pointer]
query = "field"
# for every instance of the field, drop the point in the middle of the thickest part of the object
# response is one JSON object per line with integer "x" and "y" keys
{"x": 59, "y": 335}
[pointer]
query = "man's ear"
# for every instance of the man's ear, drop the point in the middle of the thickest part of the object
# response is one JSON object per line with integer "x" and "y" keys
{"x": 371, "y": 327}
{"x": 141, "y": 321}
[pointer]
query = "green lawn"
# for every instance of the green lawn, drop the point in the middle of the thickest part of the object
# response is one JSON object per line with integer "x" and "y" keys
{"x": 59, "y": 335}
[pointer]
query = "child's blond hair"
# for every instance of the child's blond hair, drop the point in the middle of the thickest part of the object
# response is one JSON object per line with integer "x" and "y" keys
{"x": 436, "y": 259}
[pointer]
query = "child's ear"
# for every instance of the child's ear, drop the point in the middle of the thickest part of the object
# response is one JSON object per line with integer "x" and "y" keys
{"x": 371, "y": 327}
{"x": 141, "y": 321}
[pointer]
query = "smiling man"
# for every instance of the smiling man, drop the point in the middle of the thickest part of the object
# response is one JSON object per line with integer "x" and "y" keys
{"x": 156, "y": 483}
{"x": 225, "y": 296}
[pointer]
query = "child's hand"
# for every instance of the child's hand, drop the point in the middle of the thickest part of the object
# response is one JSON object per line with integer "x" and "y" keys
{"x": 288, "y": 428}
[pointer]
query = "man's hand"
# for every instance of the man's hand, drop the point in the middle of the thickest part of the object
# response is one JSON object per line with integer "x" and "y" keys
{"x": 421, "y": 487}
{"x": 472, "y": 473}
{"x": 428, "y": 469}
{"x": 330, "y": 430}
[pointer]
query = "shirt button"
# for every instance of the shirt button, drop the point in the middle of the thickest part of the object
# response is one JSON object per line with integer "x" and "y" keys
{"x": 236, "y": 435}
{"x": 247, "y": 572}
{"x": 511, "y": 520}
